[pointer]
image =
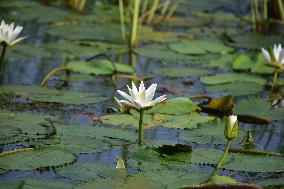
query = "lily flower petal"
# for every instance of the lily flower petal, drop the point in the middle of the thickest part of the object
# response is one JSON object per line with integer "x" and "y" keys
{"x": 142, "y": 98}
{"x": 9, "y": 33}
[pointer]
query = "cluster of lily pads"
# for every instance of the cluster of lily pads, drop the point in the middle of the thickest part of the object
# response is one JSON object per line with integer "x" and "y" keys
{"x": 45, "y": 143}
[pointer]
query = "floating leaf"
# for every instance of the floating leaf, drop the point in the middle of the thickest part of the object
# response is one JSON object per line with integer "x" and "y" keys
{"x": 174, "y": 106}
{"x": 52, "y": 95}
{"x": 163, "y": 53}
{"x": 255, "y": 41}
{"x": 235, "y": 88}
{"x": 181, "y": 72}
{"x": 239, "y": 162}
{"x": 200, "y": 46}
{"x": 35, "y": 183}
{"x": 18, "y": 126}
{"x": 259, "y": 108}
{"x": 98, "y": 67}
{"x": 35, "y": 159}
{"x": 259, "y": 65}
{"x": 98, "y": 132}
{"x": 223, "y": 78}
{"x": 210, "y": 133}
{"x": 188, "y": 121}
{"x": 90, "y": 171}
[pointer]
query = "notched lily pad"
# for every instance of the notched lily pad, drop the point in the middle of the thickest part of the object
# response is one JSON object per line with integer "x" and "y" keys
{"x": 181, "y": 72}
{"x": 223, "y": 78}
{"x": 259, "y": 109}
{"x": 52, "y": 95}
{"x": 35, "y": 159}
{"x": 98, "y": 67}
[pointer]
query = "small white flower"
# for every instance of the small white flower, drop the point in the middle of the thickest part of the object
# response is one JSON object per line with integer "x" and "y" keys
{"x": 231, "y": 129}
{"x": 9, "y": 34}
{"x": 278, "y": 53}
{"x": 232, "y": 120}
{"x": 141, "y": 99}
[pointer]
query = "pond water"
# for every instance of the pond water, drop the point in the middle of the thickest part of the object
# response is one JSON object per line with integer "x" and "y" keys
{"x": 71, "y": 130}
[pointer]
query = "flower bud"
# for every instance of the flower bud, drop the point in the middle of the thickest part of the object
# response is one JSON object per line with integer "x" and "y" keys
{"x": 231, "y": 129}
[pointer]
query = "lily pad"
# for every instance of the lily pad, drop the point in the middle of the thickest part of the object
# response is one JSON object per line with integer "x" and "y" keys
{"x": 35, "y": 159}
{"x": 235, "y": 88}
{"x": 255, "y": 65}
{"x": 223, "y": 78}
{"x": 210, "y": 133}
{"x": 52, "y": 95}
{"x": 163, "y": 53}
{"x": 18, "y": 126}
{"x": 255, "y": 41}
{"x": 181, "y": 72}
{"x": 90, "y": 171}
{"x": 99, "y": 67}
{"x": 98, "y": 132}
{"x": 200, "y": 46}
{"x": 259, "y": 108}
{"x": 34, "y": 183}
{"x": 174, "y": 106}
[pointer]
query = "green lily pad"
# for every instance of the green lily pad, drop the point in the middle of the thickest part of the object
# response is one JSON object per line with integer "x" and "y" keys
{"x": 163, "y": 53}
{"x": 223, "y": 78}
{"x": 18, "y": 126}
{"x": 87, "y": 32}
{"x": 188, "y": 121}
{"x": 259, "y": 108}
{"x": 98, "y": 132}
{"x": 255, "y": 41}
{"x": 34, "y": 183}
{"x": 181, "y": 72}
{"x": 90, "y": 171}
{"x": 256, "y": 65}
{"x": 98, "y": 67}
{"x": 200, "y": 46}
{"x": 210, "y": 133}
{"x": 174, "y": 106}
{"x": 270, "y": 182}
{"x": 239, "y": 162}
{"x": 35, "y": 159}
{"x": 52, "y": 95}
{"x": 234, "y": 88}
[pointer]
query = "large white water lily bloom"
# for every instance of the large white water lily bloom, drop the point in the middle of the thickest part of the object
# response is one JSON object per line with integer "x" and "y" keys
{"x": 278, "y": 54}
{"x": 142, "y": 98}
{"x": 9, "y": 33}
{"x": 231, "y": 129}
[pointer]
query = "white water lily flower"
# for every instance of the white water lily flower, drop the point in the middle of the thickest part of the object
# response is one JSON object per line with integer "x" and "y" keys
{"x": 232, "y": 120}
{"x": 278, "y": 53}
{"x": 231, "y": 129}
{"x": 9, "y": 34}
{"x": 141, "y": 99}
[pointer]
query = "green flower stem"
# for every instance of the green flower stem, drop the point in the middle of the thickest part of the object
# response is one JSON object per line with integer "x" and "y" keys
{"x": 275, "y": 77}
{"x": 3, "y": 52}
{"x": 140, "y": 139}
{"x": 122, "y": 21}
{"x": 222, "y": 159}
{"x": 135, "y": 23}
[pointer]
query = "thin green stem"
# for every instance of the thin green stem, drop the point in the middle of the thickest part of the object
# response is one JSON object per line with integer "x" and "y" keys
{"x": 145, "y": 5}
{"x": 152, "y": 11}
{"x": 165, "y": 8}
{"x": 222, "y": 159}
{"x": 135, "y": 23}
{"x": 140, "y": 139}
{"x": 3, "y": 52}
{"x": 265, "y": 9}
{"x": 122, "y": 20}
{"x": 281, "y": 9}
{"x": 275, "y": 77}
